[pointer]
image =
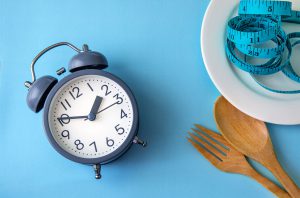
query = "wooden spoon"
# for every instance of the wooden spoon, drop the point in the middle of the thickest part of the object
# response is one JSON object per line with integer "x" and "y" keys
{"x": 250, "y": 136}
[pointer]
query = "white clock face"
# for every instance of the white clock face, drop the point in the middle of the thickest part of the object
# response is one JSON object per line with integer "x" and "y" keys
{"x": 83, "y": 137}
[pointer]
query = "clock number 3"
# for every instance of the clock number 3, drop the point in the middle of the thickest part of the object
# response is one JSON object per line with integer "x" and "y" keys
{"x": 110, "y": 142}
{"x": 119, "y": 99}
{"x": 79, "y": 144}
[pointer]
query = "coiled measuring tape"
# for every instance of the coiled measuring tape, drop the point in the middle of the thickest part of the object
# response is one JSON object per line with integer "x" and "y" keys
{"x": 259, "y": 22}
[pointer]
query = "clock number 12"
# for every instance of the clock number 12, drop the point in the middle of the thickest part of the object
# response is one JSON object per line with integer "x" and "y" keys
{"x": 75, "y": 93}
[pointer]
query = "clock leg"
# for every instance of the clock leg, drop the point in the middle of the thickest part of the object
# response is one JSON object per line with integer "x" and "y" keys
{"x": 137, "y": 140}
{"x": 97, "y": 169}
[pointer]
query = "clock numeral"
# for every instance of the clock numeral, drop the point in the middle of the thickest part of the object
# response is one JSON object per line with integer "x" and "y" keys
{"x": 94, "y": 143}
{"x": 119, "y": 99}
{"x": 110, "y": 142}
{"x": 123, "y": 114}
{"x": 72, "y": 95}
{"x": 75, "y": 93}
{"x": 79, "y": 144}
{"x": 90, "y": 86}
{"x": 64, "y": 119}
{"x": 67, "y": 104}
{"x": 105, "y": 88}
{"x": 120, "y": 130}
{"x": 65, "y": 134}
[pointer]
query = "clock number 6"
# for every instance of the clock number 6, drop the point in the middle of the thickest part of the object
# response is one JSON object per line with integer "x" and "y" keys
{"x": 120, "y": 130}
{"x": 110, "y": 142}
{"x": 79, "y": 144}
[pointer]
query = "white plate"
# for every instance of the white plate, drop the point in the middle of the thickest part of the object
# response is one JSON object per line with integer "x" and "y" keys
{"x": 237, "y": 86}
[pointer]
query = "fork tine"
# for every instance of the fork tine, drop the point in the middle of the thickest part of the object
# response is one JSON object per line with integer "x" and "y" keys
{"x": 218, "y": 137}
{"x": 210, "y": 157}
{"x": 208, "y": 146}
{"x": 211, "y": 141}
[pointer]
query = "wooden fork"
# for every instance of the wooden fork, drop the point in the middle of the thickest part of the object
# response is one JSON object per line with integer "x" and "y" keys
{"x": 222, "y": 155}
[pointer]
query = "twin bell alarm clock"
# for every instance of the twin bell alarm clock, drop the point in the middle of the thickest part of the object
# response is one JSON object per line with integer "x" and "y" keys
{"x": 90, "y": 116}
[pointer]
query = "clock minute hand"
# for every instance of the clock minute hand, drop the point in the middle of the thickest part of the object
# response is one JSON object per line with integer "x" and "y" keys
{"x": 72, "y": 117}
{"x": 107, "y": 107}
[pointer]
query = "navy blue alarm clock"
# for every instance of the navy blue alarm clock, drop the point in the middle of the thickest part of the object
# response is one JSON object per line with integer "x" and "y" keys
{"x": 90, "y": 116}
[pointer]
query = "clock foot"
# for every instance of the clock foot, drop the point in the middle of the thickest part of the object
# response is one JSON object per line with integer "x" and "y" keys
{"x": 97, "y": 169}
{"x": 136, "y": 140}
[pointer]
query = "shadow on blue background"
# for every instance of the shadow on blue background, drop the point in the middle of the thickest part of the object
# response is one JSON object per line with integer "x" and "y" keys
{"x": 154, "y": 46}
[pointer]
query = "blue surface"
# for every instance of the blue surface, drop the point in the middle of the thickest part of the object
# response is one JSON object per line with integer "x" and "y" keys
{"x": 154, "y": 47}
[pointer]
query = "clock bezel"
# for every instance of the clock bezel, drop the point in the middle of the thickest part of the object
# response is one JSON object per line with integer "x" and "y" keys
{"x": 116, "y": 153}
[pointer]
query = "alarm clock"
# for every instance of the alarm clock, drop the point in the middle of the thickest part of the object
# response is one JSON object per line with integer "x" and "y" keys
{"x": 90, "y": 116}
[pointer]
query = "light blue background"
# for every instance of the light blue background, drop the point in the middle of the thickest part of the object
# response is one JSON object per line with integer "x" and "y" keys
{"x": 152, "y": 45}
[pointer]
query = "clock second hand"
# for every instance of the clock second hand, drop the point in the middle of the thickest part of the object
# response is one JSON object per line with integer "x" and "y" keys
{"x": 107, "y": 107}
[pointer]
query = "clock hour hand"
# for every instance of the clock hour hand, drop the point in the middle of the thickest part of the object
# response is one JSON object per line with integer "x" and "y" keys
{"x": 95, "y": 107}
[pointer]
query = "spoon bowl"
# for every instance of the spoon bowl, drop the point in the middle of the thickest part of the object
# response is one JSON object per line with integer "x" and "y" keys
{"x": 251, "y": 137}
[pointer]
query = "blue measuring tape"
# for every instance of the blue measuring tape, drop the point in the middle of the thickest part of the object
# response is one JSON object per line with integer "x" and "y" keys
{"x": 259, "y": 22}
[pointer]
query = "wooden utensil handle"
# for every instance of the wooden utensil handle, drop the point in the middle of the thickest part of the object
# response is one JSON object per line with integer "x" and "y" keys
{"x": 284, "y": 178}
{"x": 268, "y": 184}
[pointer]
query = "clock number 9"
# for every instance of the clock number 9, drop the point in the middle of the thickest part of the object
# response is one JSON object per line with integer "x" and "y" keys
{"x": 120, "y": 130}
{"x": 65, "y": 134}
{"x": 110, "y": 142}
{"x": 79, "y": 144}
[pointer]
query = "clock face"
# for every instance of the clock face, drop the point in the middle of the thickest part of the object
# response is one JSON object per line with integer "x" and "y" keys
{"x": 82, "y": 133}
